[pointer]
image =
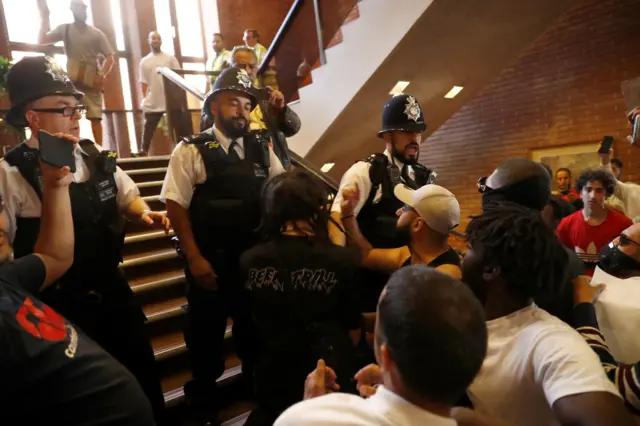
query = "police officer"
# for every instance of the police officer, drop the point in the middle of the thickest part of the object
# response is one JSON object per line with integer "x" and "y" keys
{"x": 212, "y": 192}
{"x": 402, "y": 128}
{"x": 93, "y": 294}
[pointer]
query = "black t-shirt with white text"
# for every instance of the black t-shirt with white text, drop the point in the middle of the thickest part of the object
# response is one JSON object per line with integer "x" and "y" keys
{"x": 51, "y": 372}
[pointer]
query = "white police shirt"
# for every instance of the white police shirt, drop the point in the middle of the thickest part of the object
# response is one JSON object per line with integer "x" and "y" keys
{"x": 21, "y": 200}
{"x": 186, "y": 169}
{"x": 358, "y": 174}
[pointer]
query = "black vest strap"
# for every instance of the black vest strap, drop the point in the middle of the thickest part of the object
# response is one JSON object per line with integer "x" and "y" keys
{"x": 27, "y": 161}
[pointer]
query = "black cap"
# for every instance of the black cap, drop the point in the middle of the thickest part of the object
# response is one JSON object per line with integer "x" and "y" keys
{"x": 33, "y": 78}
{"x": 231, "y": 79}
{"x": 402, "y": 113}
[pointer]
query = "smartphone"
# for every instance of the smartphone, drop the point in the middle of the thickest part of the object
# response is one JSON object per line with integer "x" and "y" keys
{"x": 605, "y": 146}
{"x": 56, "y": 151}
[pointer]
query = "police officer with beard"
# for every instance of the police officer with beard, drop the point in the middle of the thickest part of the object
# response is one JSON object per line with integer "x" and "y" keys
{"x": 93, "y": 293}
{"x": 376, "y": 177}
{"x": 212, "y": 191}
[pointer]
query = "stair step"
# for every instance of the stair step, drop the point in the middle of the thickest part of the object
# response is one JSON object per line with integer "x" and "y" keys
{"x": 152, "y": 183}
{"x": 173, "y": 386}
{"x": 165, "y": 309}
{"x": 136, "y": 163}
{"x": 148, "y": 257}
{"x": 154, "y": 202}
{"x": 153, "y": 174}
{"x": 154, "y": 282}
{"x": 172, "y": 344}
{"x": 136, "y": 172}
{"x": 238, "y": 421}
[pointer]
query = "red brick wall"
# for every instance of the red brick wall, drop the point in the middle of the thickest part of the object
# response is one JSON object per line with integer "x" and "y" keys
{"x": 266, "y": 16}
{"x": 564, "y": 89}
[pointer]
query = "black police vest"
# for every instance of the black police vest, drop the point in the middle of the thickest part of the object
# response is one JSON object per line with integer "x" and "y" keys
{"x": 97, "y": 224}
{"x": 225, "y": 208}
{"x": 378, "y": 221}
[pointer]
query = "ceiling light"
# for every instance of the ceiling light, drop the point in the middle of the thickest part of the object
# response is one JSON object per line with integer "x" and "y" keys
{"x": 327, "y": 167}
{"x": 453, "y": 92}
{"x": 399, "y": 88}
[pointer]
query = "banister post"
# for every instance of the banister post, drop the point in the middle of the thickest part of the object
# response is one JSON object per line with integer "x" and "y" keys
{"x": 316, "y": 11}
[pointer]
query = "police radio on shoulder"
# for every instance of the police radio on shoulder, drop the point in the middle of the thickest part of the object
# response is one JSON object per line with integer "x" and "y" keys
{"x": 55, "y": 151}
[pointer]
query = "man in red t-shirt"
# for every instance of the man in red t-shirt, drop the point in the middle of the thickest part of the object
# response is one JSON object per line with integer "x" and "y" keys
{"x": 588, "y": 230}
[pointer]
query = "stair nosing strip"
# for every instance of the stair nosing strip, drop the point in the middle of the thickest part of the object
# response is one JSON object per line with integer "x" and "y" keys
{"x": 135, "y": 172}
{"x": 164, "y": 314}
{"x": 149, "y": 159}
{"x": 146, "y": 236}
{"x": 237, "y": 419}
{"x": 151, "y": 198}
{"x": 150, "y": 184}
{"x": 166, "y": 255}
{"x": 140, "y": 288}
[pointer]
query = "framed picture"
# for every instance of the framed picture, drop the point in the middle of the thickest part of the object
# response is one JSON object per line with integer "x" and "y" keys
{"x": 576, "y": 158}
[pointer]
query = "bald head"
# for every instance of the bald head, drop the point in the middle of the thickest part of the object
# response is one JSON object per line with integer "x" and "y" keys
{"x": 155, "y": 41}
{"x": 516, "y": 170}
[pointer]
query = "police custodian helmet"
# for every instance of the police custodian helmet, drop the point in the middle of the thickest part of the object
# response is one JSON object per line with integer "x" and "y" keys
{"x": 33, "y": 78}
{"x": 402, "y": 113}
{"x": 231, "y": 79}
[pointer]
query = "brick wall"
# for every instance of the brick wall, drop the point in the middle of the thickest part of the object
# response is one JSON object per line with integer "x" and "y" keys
{"x": 266, "y": 16}
{"x": 564, "y": 89}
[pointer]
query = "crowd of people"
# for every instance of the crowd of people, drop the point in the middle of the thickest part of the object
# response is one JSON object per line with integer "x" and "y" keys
{"x": 353, "y": 310}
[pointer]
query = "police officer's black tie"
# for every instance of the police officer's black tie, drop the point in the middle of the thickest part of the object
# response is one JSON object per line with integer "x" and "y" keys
{"x": 233, "y": 154}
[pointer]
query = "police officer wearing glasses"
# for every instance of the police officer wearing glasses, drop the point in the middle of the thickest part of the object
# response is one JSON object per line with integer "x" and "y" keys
{"x": 93, "y": 293}
{"x": 212, "y": 191}
{"x": 402, "y": 128}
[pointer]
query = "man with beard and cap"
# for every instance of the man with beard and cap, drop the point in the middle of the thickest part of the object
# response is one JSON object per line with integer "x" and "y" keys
{"x": 425, "y": 220}
{"x": 616, "y": 297}
{"x": 154, "y": 103}
{"x": 212, "y": 191}
{"x": 93, "y": 293}
{"x": 538, "y": 371}
{"x": 527, "y": 183}
{"x": 376, "y": 177}
{"x": 90, "y": 58}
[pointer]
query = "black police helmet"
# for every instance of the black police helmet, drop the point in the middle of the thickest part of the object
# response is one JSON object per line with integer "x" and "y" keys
{"x": 33, "y": 78}
{"x": 231, "y": 79}
{"x": 402, "y": 113}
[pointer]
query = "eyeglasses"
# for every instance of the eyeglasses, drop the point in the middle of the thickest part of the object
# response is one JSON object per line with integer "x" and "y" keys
{"x": 482, "y": 185}
{"x": 625, "y": 241}
{"x": 65, "y": 111}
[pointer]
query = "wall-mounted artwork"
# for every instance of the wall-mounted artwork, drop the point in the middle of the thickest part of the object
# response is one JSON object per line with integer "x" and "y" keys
{"x": 574, "y": 157}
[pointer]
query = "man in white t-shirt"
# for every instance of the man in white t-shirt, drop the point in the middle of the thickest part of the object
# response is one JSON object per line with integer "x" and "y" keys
{"x": 153, "y": 104}
{"x": 430, "y": 340}
{"x": 538, "y": 370}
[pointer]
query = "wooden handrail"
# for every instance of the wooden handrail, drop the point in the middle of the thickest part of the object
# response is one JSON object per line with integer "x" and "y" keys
{"x": 282, "y": 32}
{"x": 296, "y": 159}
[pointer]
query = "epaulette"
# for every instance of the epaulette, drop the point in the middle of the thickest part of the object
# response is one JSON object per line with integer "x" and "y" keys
{"x": 199, "y": 139}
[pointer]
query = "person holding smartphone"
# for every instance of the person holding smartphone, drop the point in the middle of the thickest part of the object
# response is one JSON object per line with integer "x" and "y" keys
{"x": 93, "y": 293}
{"x": 57, "y": 369}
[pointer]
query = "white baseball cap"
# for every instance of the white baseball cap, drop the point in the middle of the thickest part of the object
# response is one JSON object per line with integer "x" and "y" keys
{"x": 436, "y": 205}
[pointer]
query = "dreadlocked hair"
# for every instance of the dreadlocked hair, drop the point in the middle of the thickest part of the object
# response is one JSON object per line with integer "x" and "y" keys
{"x": 532, "y": 261}
{"x": 294, "y": 196}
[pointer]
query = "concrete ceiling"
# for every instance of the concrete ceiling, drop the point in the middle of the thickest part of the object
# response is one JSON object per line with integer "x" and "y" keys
{"x": 455, "y": 42}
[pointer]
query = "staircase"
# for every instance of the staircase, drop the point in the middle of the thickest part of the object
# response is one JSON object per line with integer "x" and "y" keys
{"x": 156, "y": 276}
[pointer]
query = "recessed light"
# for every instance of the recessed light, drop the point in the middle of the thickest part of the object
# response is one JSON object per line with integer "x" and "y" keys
{"x": 453, "y": 92}
{"x": 399, "y": 88}
{"x": 327, "y": 167}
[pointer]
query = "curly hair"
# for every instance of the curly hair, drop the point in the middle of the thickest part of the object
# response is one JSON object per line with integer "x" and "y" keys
{"x": 294, "y": 196}
{"x": 592, "y": 175}
{"x": 533, "y": 262}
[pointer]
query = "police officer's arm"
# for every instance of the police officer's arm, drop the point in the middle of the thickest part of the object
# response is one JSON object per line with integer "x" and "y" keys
{"x": 56, "y": 238}
{"x": 356, "y": 176}
{"x": 384, "y": 260}
{"x": 177, "y": 192}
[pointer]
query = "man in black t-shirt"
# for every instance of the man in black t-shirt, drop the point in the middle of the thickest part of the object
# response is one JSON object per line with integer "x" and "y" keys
{"x": 51, "y": 372}
{"x": 302, "y": 295}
